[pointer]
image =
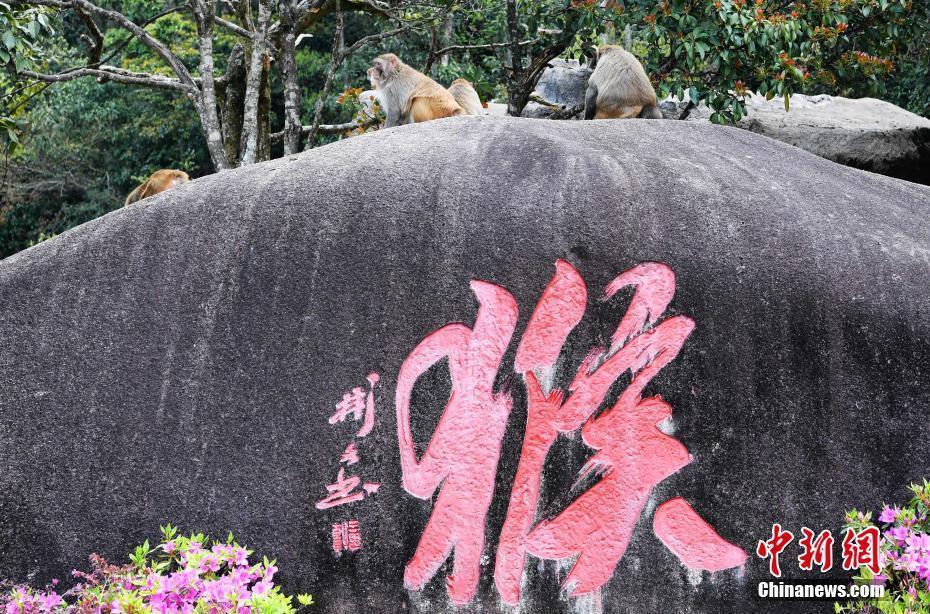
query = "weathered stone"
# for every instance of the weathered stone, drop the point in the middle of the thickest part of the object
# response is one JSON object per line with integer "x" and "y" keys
{"x": 179, "y": 360}
{"x": 864, "y": 133}
{"x": 562, "y": 83}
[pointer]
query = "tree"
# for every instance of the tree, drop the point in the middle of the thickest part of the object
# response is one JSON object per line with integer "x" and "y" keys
{"x": 233, "y": 106}
{"x": 720, "y": 50}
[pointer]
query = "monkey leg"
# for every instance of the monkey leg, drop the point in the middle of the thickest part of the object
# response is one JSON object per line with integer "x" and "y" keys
{"x": 425, "y": 108}
{"x": 590, "y": 102}
{"x": 621, "y": 112}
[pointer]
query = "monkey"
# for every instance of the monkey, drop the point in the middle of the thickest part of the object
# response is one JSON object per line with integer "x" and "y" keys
{"x": 464, "y": 93}
{"x": 409, "y": 96}
{"x": 162, "y": 180}
{"x": 619, "y": 87}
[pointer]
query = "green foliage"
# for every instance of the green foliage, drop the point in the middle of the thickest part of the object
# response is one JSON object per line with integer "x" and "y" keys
{"x": 717, "y": 51}
{"x": 182, "y": 573}
{"x": 88, "y": 145}
{"x": 21, "y": 30}
{"x": 71, "y": 152}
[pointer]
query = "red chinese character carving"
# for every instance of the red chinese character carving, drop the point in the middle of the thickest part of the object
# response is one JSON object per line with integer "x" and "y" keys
{"x": 350, "y": 456}
{"x": 633, "y": 455}
{"x": 817, "y": 550}
{"x": 347, "y": 536}
{"x": 357, "y": 403}
{"x": 341, "y": 492}
{"x": 463, "y": 452}
{"x": 861, "y": 549}
{"x": 773, "y": 547}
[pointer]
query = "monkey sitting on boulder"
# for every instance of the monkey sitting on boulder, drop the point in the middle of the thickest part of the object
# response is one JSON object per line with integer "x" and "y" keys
{"x": 467, "y": 97}
{"x": 162, "y": 180}
{"x": 408, "y": 95}
{"x": 619, "y": 87}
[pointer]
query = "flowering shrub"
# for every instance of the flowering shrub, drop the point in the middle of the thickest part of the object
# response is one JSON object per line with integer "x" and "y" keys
{"x": 904, "y": 556}
{"x": 181, "y": 575}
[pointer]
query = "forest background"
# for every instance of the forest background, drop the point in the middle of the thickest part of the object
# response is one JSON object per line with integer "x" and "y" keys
{"x": 98, "y": 95}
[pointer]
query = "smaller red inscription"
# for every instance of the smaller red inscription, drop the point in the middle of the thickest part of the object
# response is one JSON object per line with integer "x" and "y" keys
{"x": 347, "y": 536}
{"x": 342, "y": 491}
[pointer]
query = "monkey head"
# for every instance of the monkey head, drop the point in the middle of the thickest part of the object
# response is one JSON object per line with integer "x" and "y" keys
{"x": 605, "y": 49}
{"x": 383, "y": 68}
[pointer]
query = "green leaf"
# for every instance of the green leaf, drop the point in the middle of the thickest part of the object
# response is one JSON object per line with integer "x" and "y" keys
{"x": 9, "y": 39}
{"x": 787, "y": 101}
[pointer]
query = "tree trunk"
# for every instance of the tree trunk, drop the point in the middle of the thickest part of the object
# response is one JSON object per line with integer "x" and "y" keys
{"x": 206, "y": 101}
{"x": 516, "y": 98}
{"x": 231, "y": 96}
{"x": 289, "y": 76}
{"x": 264, "y": 113}
{"x": 249, "y": 146}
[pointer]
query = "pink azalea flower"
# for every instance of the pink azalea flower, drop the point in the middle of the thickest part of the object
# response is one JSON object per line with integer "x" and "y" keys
{"x": 261, "y": 587}
{"x": 889, "y": 514}
{"x": 270, "y": 572}
{"x": 240, "y": 556}
{"x": 50, "y": 601}
{"x": 898, "y": 534}
{"x": 209, "y": 563}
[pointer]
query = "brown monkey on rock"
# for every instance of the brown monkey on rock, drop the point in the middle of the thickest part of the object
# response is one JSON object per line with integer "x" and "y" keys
{"x": 619, "y": 87}
{"x": 162, "y": 180}
{"x": 408, "y": 95}
{"x": 467, "y": 97}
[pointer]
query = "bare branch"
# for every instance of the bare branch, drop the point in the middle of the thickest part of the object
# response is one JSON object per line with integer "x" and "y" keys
{"x": 335, "y": 61}
{"x": 114, "y": 74}
{"x": 249, "y": 144}
{"x": 94, "y": 39}
{"x": 204, "y": 14}
{"x": 373, "y": 38}
{"x": 450, "y": 48}
{"x": 124, "y": 22}
{"x": 567, "y": 113}
{"x": 232, "y": 27}
{"x": 277, "y": 137}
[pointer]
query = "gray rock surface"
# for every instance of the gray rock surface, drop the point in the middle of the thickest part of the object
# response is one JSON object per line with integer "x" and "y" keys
{"x": 865, "y": 133}
{"x": 563, "y": 83}
{"x": 177, "y": 360}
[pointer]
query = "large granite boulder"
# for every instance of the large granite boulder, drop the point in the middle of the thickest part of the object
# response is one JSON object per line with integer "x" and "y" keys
{"x": 270, "y": 351}
{"x": 865, "y": 133}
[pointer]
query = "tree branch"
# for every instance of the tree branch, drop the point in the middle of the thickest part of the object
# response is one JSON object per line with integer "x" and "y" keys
{"x": 277, "y": 137}
{"x": 373, "y": 38}
{"x": 232, "y": 27}
{"x": 124, "y": 22}
{"x": 335, "y": 61}
{"x": 94, "y": 40}
{"x": 114, "y": 74}
{"x": 490, "y": 46}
